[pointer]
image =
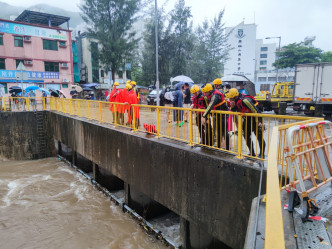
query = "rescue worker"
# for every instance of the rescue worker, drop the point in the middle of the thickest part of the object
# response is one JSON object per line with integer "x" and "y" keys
{"x": 215, "y": 100}
{"x": 121, "y": 109}
{"x": 114, "y": 97}
{"x": 133, "y": 111}
{"x": 217, "y": 84}
{"x": 133, "y": 84}
{"x": 248, "y": 104}
{"x": 205, "y": 133}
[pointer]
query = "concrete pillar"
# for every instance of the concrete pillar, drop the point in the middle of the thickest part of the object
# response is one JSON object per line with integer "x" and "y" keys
{"x": 195, "y": 237}
{"x": 142, "y": 204}
{"x": 59, "y": 148}
{"x": 83, "y": 163}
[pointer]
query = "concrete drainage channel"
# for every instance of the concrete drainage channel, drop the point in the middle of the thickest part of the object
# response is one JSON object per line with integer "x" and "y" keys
{"x": 147, "y": 227}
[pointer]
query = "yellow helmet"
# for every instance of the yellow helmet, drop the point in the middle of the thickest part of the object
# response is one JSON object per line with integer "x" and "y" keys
{"x": 128, "y": 82}
{"x": 194, "y": 89}
{"x": 133, "y": 83}
{"x": 128, "y": 87}
{"x": 116, "y": 83}
{"x": 207, "y": 88}
{"x": 217, "y": 82}
{"x": 232, "y": 93}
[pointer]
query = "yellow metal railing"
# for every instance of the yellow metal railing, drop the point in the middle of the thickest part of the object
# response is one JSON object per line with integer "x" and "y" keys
{"x": 16, "y": 104}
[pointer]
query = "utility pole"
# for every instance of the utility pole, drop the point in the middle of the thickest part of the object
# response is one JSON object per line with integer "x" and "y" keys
{"x": 156, "y": 37}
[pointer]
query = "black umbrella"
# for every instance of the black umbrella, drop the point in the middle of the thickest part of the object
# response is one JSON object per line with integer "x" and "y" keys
{"x": 15, "y": 89}
{"x": 54, "y": 92}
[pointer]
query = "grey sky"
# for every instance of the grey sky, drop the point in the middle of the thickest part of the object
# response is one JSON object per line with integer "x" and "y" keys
{"x": 291, "y": 19}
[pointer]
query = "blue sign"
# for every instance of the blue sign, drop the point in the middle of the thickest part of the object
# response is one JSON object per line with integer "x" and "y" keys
{"x": 32, "y": 75}
{"x": 27, "y": 30}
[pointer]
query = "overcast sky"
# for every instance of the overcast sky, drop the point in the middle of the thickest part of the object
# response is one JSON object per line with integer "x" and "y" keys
{"x": 291, "y": 19}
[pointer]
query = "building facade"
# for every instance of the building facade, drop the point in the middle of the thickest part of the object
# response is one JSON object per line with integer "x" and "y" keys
{"x": 45, "y": 51}
{"x": 254, "y": 58}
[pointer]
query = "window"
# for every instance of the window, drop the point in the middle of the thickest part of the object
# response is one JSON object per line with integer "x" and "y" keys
{"x": 1, "y": 39}
{"x": 102, "y": 73}
{"x": 239, "y": 54}
{"x": 263, "y": 63}
{"x": 2, "y": 64}
{"x": 263, "y": 49}
{"x": 239, "y": 59}
{"x": 50, "y": 45}
{"x": 239, "y": 46}
{"x": 261, "y": 79}
{"x": 262, "y": 68}
{"x": 62, "y": 43}
{"x": 18, "y": 41}
{"x": 238, "y": 68}
{"x": 95, "y": 62}
{"x": 51, "y": 66}
{"x": 240, "y": 41}
{"x": 239, "y": 64}
{"x": 18, "y": 62}
{"x": 64, "y": 85}
{"x": 263, "y": 55}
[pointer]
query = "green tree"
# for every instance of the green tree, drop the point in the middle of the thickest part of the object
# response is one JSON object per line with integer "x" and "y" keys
{"x": 327, "y": 57}
{"x": 210, "y": 50}
{"x": 180, "y": 38}
{"x": 297, "y": 53}
{"x": 110, "y": 22}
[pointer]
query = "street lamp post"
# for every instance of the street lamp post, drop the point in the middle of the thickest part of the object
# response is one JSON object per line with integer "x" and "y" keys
{"x": 156, "y": 37}
{"x": 279, "y": 37}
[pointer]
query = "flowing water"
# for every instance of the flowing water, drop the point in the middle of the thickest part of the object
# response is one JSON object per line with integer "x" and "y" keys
{"x": 46, "y": 204}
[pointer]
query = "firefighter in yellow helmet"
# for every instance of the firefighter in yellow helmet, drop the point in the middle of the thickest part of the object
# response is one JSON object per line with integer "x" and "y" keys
{"x": 217, "y": 84}
{"x": 215, "y": 100}
{"x": 133, "y": 84}
{"x": 248, "y": 104}
{"x": 205, "y": 131}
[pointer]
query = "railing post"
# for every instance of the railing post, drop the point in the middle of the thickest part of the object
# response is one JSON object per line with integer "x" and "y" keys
{"x": 89, "y": 110}
{"x": 27, "y": 102}
{"x": 116, "y": 114}
{"x": 70, "y": 107}
{"x": 134, "y": 118}
{"x": 4, "y": 104}
{"x": 158, "y": 122}
{"x": 191, "y": 128}
{"x": 63, "y": 106}
{"x": 239, "y": 136}
{"x": 43, "y": 100}
{"x": 101, "y": 115}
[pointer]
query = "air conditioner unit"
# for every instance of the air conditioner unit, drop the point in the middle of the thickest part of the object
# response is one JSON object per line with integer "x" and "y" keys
{"x": 64, "y": 64}
{"x": 28, "y": 62}
{"x": 27, "y": 38}
{"x": 65, "y": 80}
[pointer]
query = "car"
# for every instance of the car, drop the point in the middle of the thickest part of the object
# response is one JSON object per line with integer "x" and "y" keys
{"x": 152, "y": 100}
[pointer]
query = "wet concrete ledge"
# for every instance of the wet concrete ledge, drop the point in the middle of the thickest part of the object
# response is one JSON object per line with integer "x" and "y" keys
{"x": 212, "y": 190}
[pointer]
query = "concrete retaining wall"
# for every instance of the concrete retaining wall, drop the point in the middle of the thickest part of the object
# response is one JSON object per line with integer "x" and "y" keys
{"x": 210, "y": 191}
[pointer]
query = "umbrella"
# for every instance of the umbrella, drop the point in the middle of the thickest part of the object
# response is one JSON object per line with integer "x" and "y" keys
{"x": 87, "y": 89}
{"x": 181, "y": 83}
{"x": 78, "y": 89}
{"x": 64, "y": 95}
{"x": 54, "y": 93}
{"x": 45, "y": 90}
{"x": 15, "y": 89}
{"x": 31, "y": 88}
{"x": 93, "y": 85}
{"x": 182, "y": 78}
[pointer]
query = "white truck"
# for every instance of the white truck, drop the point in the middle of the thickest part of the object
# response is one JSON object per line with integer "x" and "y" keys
{"x": 313, "y": 88}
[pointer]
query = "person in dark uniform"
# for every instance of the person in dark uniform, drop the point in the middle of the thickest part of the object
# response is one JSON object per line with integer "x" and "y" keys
{"x": 205, "y": 131}
{"x": 248, "y": 104}
{"x": 215, "y": 100}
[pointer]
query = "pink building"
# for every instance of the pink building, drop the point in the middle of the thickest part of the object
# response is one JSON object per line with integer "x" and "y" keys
{"x": 45, "y": 51}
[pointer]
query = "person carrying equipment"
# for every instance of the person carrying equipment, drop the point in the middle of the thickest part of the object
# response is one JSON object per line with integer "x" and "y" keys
{"x": 217, "y": 84}
{"x": 248, "y": 104}
{"x": 114, "y": 97}
{"x": 215, "y": 100}
{"x": 205, "y": 131}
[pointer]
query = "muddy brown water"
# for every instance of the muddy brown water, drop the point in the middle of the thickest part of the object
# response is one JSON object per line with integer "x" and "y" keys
{"x": 46, "y": 204}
